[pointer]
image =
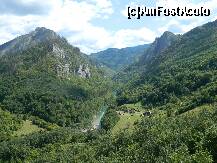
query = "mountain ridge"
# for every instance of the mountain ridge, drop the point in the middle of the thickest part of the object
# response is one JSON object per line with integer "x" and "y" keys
{"x": 165, "y": 111}
{"x": 116, "y": 59}
{"x": 39, "y": 35}
{"x": 156, "y": 48}
{"x": 51, "y": 76}
{"x": 191, "y": 58}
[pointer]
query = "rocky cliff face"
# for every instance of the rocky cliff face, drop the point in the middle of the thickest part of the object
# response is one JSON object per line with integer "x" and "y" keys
{"x": 21, "y": 43}
{"x": 159, "y": 45}
{"x": 65, "y": 71}
{"x": 64, "y": 59}
{"x": 153, "y": 51}
{"x": 63, "y": 65}
{"x": 64, "y": 68}
{"x": 59, "y": 52}
{"x": 84, "y": 71}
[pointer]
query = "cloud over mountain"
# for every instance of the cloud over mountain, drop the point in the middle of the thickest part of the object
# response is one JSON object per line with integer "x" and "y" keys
{"x": 92, "y": 25}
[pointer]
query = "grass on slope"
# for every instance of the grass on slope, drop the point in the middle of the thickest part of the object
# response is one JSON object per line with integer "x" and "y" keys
{"x": 27, "y": 128}
{"x": 126, "y": 122}
{"x": 211, "y": 108}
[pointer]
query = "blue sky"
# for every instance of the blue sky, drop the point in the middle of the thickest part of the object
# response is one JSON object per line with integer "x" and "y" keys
{"x": 95, "y": 25}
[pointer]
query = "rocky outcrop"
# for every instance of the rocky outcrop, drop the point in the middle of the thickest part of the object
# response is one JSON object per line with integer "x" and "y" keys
{"x": 84, "y": 71}
{"x": 39, "y": 36}
{"x": 63, "y": 70}
{"x": 59, "y": 52}
{"x": 158, "y": 46}
{"x": 60, "y": 57}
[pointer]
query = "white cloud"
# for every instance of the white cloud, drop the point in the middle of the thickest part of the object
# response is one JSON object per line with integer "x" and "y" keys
{"x": 184, "y": 23}
{"x": 166, "y": 27}
{"x": 104, "y": 5}
{"x": 73, "y": 19}
{"x": 208, "y": 4}
{"x": 70, "y": 15}
{"x": 133, "y": 37}
{"x": 24, "y": 7}
{"x": 176, "y": 24}
{"x": 94, "y": 39}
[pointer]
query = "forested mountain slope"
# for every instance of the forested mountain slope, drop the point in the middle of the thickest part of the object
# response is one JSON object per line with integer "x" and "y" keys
{"x": 186, "y": 69}
{"x": 42, "y": 75}
{"x": 116, "y": 59}
{"x": 177, "y": 88}
{"x": 161, "y": 43}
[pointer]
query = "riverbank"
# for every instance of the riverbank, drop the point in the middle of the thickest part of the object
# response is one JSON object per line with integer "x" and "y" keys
{"x": 97, "y": 119}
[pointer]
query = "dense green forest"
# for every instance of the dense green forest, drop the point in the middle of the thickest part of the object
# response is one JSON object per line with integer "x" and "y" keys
{"x": 30, "y": 85}
{"x": 170, "y": 97}
{"x": 184, "y": 73}
{"x": 116, "y": 59}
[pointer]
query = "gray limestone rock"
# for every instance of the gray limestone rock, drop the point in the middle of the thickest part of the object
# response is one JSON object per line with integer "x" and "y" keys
{"x": 84, "y": 71}
{"x": 63, "y": 70}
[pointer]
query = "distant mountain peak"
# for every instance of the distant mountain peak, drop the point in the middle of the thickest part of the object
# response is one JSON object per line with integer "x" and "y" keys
{"x": 162, "y": 43}
{"x": 168, "y": 33}
{"x": 43, "y": 34}
{"x": 159, "y": 45}
{"x": 39, "y": 31}
{"x": 116, "y": 59}
{"x": 44, "y": 45}
{"x": 39, "y": 35}
{"x": 165, "y": 36}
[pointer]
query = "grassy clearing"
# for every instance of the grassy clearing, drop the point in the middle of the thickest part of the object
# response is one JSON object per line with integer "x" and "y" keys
{"x": 126, "y": 122}
{"x": 207, "y": 107}
{"x": 27, "y": 128}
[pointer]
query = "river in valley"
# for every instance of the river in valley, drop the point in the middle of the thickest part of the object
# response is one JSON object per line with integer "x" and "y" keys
{"x": 97, "y": 119}
{"x": 96, "y": 124}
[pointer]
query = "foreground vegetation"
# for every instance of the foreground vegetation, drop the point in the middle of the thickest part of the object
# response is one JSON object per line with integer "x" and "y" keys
{"x": 30, "y": 86}
{"x": 179, "y": 87}
{"x": 27, "y": 128}
{"x": 189, "y": 138}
